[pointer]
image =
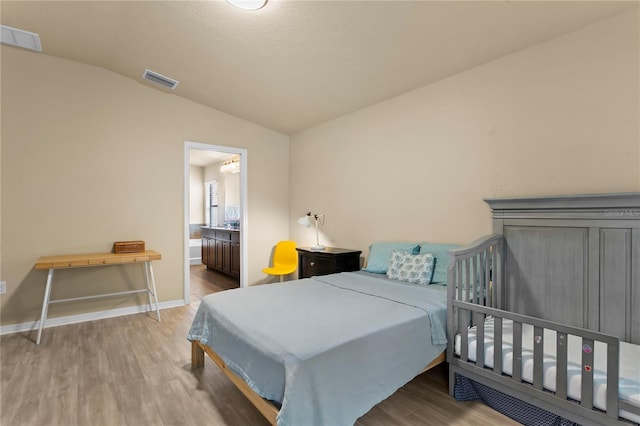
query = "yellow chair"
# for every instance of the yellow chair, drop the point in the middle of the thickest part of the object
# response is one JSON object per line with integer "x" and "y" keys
{"x": 285, "y": 259}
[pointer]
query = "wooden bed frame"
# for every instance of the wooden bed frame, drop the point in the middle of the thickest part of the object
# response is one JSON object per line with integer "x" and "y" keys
{"x": 265, "y": 407}
{"x": 546, "y": 253}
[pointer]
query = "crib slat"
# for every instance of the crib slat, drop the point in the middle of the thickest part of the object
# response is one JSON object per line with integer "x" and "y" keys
{"x": 463, "y": 322}
{"x": 613, "y": 371}
{"x": 561, "y": 365}
{"x": 482, "y": 294}
{"x": 477, "y": 277}
{"x": 478, "y": 319}
{"x": 517, "y": 351}
{"x": 497, "y": 276}
{"x": 538, "y": 353}
{"x": 467, "y": 281}
{"x": 486, "y": 289}
{"x": 497, "y": 345}
{"x": 458, "y": 274}
{"x": 474, "y": 280}
{"x": 482, "y": 287}
{"x": 464, "y": 334}
{"x": 586, "y": 399}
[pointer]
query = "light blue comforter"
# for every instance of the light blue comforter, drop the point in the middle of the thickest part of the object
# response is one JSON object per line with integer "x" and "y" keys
{"x": 327, "y": 348}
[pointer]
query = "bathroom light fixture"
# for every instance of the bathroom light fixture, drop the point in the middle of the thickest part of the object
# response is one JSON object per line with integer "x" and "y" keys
{"x": 306, "y": 222}
{"x": 232, "y": 165}
{"x": 248, "y": 4}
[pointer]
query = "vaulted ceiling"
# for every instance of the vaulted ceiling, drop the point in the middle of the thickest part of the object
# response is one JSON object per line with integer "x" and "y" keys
{"x": 294, "y": 64}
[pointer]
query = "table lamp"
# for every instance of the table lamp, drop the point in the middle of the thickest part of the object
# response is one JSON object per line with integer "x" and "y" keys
{"x": 306, "y": 222}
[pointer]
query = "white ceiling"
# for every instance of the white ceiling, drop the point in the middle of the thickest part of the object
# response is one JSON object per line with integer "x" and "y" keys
{"x": 294, "y": 64}
{"x": 204, "y": 158}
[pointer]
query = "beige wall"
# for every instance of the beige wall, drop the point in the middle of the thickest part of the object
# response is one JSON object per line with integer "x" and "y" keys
{"x": 90, "y": 157}
{"x": 558, "y": 118}
{"x": 231, "y": 189}
{"x": 196, "y": 194}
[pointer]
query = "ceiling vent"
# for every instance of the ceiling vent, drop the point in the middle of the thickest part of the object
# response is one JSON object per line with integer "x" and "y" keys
{"x": 160, "y": 79}
{"x": 20, "y": 38}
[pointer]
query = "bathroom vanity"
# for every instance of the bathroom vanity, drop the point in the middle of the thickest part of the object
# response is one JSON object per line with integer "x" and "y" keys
{"x": 221, "y": 250}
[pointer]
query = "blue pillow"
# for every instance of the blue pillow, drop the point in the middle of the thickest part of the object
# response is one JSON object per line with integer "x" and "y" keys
{"x": 441, "y": 254}
{"x": 411, "y": 268}
{"x": 380, "y": 255}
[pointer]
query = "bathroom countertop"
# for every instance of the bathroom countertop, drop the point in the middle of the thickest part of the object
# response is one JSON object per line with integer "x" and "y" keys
{"x": 221, "y": 228}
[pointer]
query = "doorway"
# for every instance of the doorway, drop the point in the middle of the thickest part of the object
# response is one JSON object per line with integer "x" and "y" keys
{"x": 231, "y": 215}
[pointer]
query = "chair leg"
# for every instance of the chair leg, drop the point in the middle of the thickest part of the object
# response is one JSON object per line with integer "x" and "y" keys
{"x": 281, "y": 278}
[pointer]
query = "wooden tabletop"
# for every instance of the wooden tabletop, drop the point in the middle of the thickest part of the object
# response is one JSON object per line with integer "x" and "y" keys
{"x": 94, "y": 259}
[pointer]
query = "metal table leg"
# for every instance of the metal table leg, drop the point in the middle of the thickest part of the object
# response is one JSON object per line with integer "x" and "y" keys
{"x": 153, "y": 285}
{"x": 45, "y": 304}
{"x": 146, "y": 283}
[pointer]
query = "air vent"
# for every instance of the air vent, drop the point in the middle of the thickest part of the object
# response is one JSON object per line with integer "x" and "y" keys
{"x": 160, "y": 79}
{"x": 20, "y": 38}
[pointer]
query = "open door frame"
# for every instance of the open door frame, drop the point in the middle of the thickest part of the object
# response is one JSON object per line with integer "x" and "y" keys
{"x": 244, "y": 229}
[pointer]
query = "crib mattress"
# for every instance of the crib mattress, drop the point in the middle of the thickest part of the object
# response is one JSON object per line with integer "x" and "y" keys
{"x": 629, "y": 384}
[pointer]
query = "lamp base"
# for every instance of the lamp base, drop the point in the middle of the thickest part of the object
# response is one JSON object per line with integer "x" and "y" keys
{"x": 316, "y": 248}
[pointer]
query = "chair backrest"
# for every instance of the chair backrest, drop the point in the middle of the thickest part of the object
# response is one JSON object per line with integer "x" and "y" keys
{"x": 285, "y": 253}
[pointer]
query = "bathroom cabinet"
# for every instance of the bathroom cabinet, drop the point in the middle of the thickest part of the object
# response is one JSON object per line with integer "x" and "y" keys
{"x": 221, "y": 250}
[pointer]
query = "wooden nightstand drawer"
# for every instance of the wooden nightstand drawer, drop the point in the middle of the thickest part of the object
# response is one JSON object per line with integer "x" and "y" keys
{"x": 328, "y": 261}
{"x": 316, "y": 266}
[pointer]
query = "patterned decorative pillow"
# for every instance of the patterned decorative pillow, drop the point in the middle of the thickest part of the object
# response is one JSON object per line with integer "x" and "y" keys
{"x": 380, "y": 255}
{"x": 412, "y": 268}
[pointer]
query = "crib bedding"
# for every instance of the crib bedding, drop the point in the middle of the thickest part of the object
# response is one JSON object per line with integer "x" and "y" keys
{"x": 302, "y": 344}
{"x": 629, "y": 384}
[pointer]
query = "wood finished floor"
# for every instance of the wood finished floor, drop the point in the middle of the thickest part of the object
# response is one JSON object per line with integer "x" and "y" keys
{"x": 135, "y": 371}
{"x": 204, "y": 281}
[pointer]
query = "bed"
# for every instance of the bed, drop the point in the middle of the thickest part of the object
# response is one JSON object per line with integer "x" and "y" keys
{"x": 322, "y": 350}
{"x": 545, "y": 310}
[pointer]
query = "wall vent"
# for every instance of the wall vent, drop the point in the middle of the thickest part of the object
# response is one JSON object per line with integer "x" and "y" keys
{"x": 20, "y": 38}
{"x": 160, "y": 79}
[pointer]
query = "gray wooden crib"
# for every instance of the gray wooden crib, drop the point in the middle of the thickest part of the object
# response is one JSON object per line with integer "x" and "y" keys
{"x": 564, "y": 269}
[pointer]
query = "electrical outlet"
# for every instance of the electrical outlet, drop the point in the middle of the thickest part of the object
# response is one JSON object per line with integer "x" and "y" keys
{"x": 3, "y": 287}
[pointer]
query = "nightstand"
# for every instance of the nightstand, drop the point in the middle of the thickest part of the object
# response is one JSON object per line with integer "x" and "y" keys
{"x": 328, "y": 261}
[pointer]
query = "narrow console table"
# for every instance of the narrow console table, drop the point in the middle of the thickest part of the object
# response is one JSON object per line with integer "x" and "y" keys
{"x": 97, "y": 259}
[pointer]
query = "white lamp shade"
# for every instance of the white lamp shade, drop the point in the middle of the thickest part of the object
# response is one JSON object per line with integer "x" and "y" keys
{"x": 304, "y": 221}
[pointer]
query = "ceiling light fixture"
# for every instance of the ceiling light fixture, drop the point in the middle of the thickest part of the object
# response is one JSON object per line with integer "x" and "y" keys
{"x": 248, "y": 4}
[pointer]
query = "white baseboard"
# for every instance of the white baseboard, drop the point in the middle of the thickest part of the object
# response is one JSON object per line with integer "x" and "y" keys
{"x": 91, "y": 316}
